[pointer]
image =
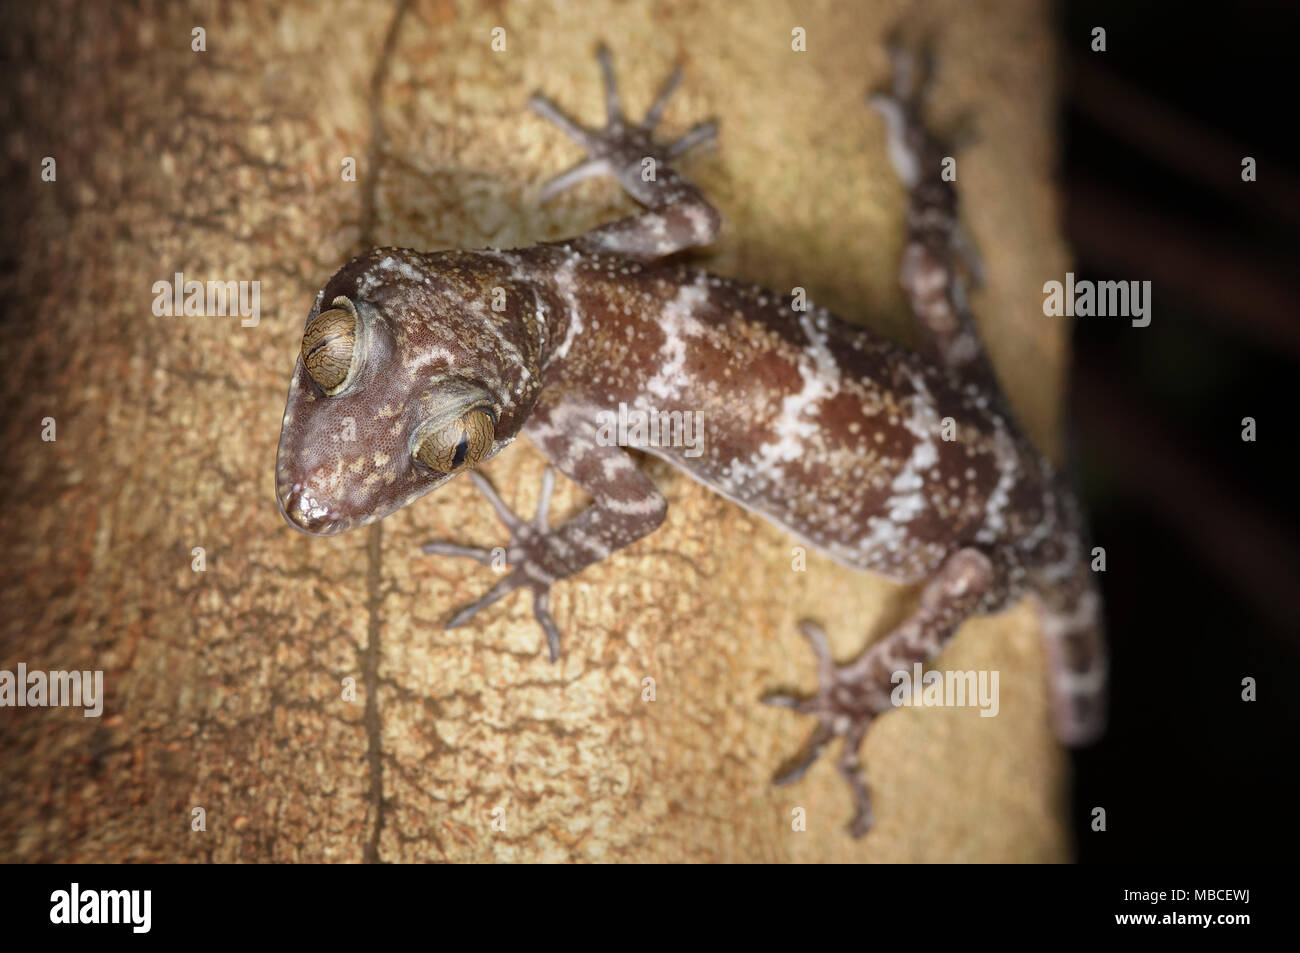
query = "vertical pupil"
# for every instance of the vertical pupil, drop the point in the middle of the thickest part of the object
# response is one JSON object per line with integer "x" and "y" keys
{"x": 462, "y": 450}
{"x": 327, "y": 342}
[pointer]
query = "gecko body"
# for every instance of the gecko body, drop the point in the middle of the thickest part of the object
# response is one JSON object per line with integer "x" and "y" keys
{"x": 906, "y": 464}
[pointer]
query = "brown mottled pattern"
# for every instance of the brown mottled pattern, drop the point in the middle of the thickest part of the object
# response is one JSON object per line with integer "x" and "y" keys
{"x": 738, "y": 367}
{"x": 869, "y": 452}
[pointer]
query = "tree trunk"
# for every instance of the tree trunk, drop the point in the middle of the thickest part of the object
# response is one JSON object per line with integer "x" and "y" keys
{"x": 225, "y": 687}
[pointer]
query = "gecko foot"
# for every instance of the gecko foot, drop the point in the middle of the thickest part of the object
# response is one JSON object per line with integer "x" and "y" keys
{"x": 913, "y": 150}
{"x": 619, "y": 149}
{"x": 911, "y": 72}
{"x": 535, "y": 563}
{"x": 913, "y": 147}
{"x": 843, "y": 710}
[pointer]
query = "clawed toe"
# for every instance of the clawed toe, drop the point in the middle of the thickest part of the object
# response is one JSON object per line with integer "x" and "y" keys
{"x": 850, "y": 768}
{"x": 781, "y": 700}
{"x": 542, "y": 613}
{"x": 911, "y": 78}
{"x": 586, "y": 169}
{"x": 495, "y": 594}
{"x": 912, "y": 70}
{"x": 526, "y": 536}
{"x": 842, "y": 713}
{"x": 621, "y": 140}
{"x": 504, "y": 513}
{"x": 440, "y": 548}
{"x": 547, "y": 109}
{"x": 656, "y": 110}
{"x": 798, "y": 766}
{"x": 702, "y": 133}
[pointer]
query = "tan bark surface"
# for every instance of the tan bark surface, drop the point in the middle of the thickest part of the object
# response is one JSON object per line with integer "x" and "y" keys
{"x": 224, "y": 687}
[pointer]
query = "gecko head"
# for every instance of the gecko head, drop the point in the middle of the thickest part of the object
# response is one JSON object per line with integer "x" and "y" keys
{"x": 401, "y": 384}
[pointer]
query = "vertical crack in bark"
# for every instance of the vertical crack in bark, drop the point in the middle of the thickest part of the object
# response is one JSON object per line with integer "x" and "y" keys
{"x": 374, "y": 157}
{"x": 375, "y": 540}
{"x": 370, "y": 675}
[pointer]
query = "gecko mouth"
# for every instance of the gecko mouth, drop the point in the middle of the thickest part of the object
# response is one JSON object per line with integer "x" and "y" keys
{"x": 309, "y": 511}
{"x": 309, "y": 514}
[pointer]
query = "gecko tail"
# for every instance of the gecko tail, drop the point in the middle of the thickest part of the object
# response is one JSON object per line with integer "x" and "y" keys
{"x": 1074, "y": 639}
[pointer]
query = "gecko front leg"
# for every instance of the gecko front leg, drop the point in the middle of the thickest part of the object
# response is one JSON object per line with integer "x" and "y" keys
{"x": 677, "y": 217}
{"x": 527, "y": 552}
{"x": 625, "y": 507}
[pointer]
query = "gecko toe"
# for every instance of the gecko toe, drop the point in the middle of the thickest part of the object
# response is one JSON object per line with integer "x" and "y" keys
{"x": 439, "y": 547}
{"x": 912, "y": 70}
{"x": 622, "y": 145}
{"x": 863, "y": 819}
{"x": 661, "y": 100}
{"x": 548, "y": 110}
{"x": 542, "y": 612}
{"x": 541, "y": 607}
{"x": 782, "y": 700}
{"x": 532, "y": 558}
{"x": 798, "y": 766}
{"x": 495, "y": 594}
{"x": 586, "y": 169}
{"x": 700, "y": 134}
{"x": 842, "y": 711}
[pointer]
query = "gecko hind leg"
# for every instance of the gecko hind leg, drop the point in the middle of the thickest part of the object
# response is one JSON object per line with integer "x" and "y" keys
{"x": 935, "y": 242}
{"x": 850, "y": 696}
{"x": 527, "y": 552}
{"x": 678, "y": 216}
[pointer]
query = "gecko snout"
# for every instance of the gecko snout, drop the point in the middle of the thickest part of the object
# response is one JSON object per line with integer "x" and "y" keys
{"x": 307, "y": 511}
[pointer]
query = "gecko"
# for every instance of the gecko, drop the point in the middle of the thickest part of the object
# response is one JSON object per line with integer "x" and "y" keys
{"x": 904, "y": 463}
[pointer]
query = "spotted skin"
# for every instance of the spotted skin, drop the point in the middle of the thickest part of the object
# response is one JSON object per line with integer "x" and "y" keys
{"x": 900, "y": 463}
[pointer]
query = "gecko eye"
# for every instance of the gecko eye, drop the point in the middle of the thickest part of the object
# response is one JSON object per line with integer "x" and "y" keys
{"x": 449, "y": 446}
{"x": 332, "y": 346}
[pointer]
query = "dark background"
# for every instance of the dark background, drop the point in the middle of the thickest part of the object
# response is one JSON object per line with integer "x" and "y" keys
{"x": 1199, "y": 527}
